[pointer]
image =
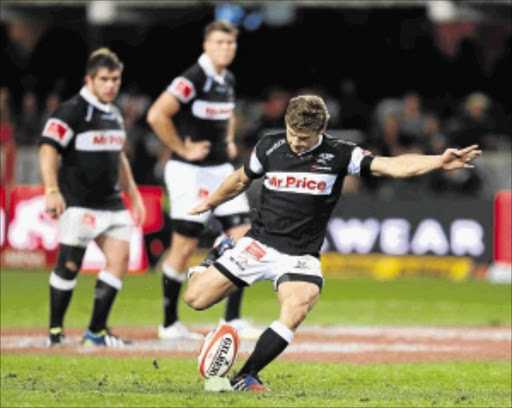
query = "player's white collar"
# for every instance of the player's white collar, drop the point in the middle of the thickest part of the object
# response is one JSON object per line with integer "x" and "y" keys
{"x": 314, "y": 147}
{"x": 93, "y": 100}
{"x": 206, "y": 63}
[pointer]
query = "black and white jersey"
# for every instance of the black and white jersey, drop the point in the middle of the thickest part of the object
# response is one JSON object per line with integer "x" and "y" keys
{"x": 89, "y": 136}
{"x": 207, "y": 102}
{"x": 299, "y": 192}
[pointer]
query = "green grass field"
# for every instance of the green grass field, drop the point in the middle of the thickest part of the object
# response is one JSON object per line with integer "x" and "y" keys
{"x": 86, "y": 381}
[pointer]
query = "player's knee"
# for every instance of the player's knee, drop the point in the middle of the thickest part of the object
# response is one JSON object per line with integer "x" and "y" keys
{"x": 71, "y": 266}
{"x": 194, "y": 299}
{"x": 69, "y": 261}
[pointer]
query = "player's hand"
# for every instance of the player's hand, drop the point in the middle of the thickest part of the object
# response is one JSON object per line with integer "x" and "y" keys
{"x": 460, "y": 158}
{"x": 139, "y": 211}
{"x": 54, "y": 204}
{"x": 195, "y": 151}
{"x": 201, "y": 208}
{"x": 232, "y": 150}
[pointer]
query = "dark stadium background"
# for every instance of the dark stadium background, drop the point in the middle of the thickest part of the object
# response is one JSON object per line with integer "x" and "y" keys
{"x": 382, "y": 49}
{"x": 387, "y": 51}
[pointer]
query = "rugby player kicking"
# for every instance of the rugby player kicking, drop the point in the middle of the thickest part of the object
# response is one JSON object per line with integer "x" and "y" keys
{"x": 303, "y": 170}
{"x": 83, "y": 192}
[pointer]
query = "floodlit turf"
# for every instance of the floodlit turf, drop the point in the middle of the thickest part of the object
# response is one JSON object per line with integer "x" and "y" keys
{"x": 24, "y": 302}
{"x": 64, "y": 381}
{"x": 78, "y": 381}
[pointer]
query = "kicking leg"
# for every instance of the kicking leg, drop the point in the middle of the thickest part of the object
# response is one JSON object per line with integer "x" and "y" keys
{"x": 297, "y": 298}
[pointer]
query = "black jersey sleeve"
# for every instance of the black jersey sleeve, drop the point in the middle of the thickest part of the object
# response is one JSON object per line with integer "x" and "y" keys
{"x": 360, "y": 162}
{"x": 254, "y": 165}
{"x": 184, "y": 86}
{"x": 59, "y": 128}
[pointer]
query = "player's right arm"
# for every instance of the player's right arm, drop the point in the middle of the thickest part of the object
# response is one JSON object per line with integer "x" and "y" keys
{"x": 55, "y": 138}
{"x": 49, "y": 165}
{"x": 159, "y": 118}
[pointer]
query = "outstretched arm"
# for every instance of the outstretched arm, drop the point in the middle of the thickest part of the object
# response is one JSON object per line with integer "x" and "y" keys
{"x": 409, "y": 165}
{"x": 233, "y": 185}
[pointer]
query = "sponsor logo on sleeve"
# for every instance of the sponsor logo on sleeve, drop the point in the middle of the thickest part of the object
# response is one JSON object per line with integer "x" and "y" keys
{"x": 58, "y": 130}
{"x": 182, "y": 89}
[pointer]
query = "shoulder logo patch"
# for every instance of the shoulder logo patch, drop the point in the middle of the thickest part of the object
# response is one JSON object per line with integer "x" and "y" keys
{"x": 182, "y": 89}
{"x": 58, "y": 130}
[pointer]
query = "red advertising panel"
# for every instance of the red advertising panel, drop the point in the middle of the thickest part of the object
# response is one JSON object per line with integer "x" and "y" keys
{"x": 31, "y": 239}
{"x": 503, "y": 227}
{"x": 3, "y": 217}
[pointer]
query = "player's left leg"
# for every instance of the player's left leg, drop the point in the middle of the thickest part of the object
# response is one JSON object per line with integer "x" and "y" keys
{"x": 297, "y": 298}
{"x": 109, "y": 283}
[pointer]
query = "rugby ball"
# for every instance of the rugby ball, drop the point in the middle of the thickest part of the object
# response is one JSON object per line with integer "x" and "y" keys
{"x": 218, "y": 352}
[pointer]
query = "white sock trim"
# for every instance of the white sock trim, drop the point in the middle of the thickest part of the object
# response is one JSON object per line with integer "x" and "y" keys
{"x": 110, "y": 279}
{"x": 62, "y": 284}
{"x": 282, "y": 331}
{"x": 171, "y": 273}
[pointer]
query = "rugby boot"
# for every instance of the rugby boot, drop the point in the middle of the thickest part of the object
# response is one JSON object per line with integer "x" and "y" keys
{"x": 55, "y": 337}
{"x": 104, "y": 339}
{"x": 248, "y": 382}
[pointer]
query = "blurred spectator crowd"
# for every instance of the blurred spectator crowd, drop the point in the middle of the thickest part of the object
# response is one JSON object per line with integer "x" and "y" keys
{"x": 393, "y": 126}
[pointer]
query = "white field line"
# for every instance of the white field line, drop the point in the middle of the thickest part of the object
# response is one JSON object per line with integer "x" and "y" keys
{"x": 16, "y": 342}
{"x": 419, "y": 334}
{"x": 493, "y": 334}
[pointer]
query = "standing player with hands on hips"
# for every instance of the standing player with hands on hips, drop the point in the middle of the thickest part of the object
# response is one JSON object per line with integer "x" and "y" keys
{"x": 84, "y": 193}
{"x": 303, "y": 170}
{"x": 194, "y": 118}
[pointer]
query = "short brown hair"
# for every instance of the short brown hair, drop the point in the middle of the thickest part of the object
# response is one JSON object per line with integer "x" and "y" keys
{"x": 103, "y": 58}
{"x": 307, "y": 113}
{"x": 220, "y": 25}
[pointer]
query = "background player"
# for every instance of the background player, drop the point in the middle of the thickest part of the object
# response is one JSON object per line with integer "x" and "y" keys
{"x": 304, "y": 170}
{"x": 201, "y": 137}
{"x": 87, "y": 132}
